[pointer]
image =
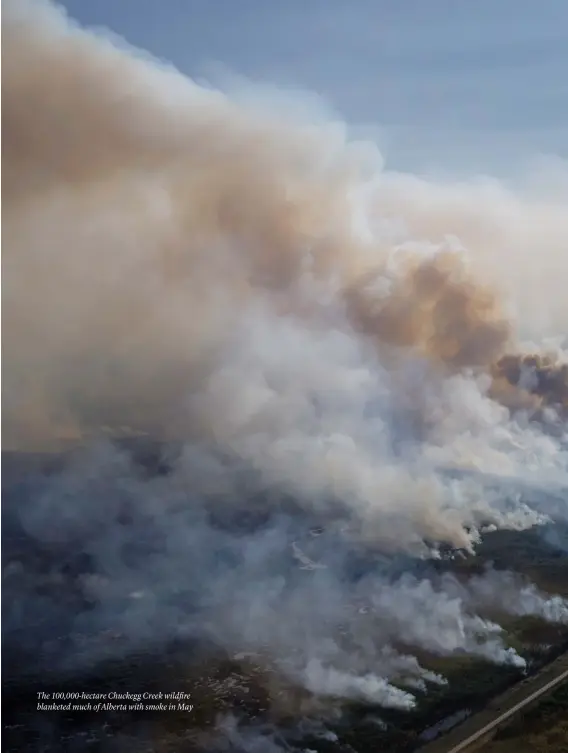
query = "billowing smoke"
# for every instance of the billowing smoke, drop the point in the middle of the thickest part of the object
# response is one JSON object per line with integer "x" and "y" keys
{"x": 532, "y": 382}
{"x": 315, "y": 342}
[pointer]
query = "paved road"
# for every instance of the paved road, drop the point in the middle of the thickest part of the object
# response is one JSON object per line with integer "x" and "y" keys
{"x": 488, "y": 727}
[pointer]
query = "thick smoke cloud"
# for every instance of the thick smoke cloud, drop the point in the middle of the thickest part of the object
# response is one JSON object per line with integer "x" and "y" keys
{"x": 145, "y": 215}
{"x": 316, "y": 343}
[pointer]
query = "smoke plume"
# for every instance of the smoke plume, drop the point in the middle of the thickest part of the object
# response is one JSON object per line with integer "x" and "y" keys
{"x": 317, "y": 343}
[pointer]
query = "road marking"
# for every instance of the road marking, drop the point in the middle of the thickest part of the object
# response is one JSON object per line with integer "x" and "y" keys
{"x": 472, "y": 738}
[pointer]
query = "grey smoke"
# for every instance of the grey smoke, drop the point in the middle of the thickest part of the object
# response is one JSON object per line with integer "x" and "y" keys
{"x": 179, "y": 265}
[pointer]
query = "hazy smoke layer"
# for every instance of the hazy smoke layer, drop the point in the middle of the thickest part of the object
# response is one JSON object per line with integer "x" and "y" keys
{"x": 318, "y": 335}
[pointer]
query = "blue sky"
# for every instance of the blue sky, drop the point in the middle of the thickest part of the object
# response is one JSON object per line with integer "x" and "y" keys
{"x": 455, "y": 85}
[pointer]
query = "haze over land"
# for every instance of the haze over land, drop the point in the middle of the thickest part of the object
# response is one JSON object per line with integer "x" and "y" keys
{"x": 322, "y": 338}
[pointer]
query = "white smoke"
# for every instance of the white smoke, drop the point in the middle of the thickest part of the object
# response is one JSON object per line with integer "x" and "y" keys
{"x": 507, "y": 593}
{"x": 306, "y": 328}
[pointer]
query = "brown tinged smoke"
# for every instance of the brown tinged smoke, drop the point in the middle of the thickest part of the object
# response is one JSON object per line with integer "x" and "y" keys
{"x": 531, "y": 381}
{"x": 435, "y": 307}
{"x": 144, "y": 215}
{"x": 177, "y": 264}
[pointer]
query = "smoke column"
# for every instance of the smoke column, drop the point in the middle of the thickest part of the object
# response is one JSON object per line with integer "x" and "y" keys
{"x": 305, "y": 326}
